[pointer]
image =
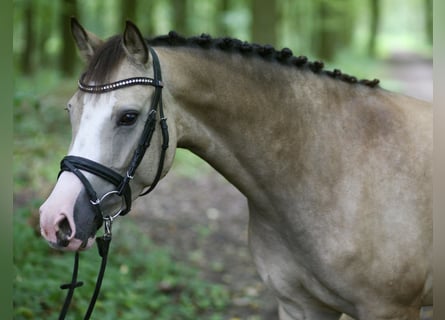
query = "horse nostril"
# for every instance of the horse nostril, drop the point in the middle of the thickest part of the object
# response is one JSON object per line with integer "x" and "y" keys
{"x": 63, "y": 232}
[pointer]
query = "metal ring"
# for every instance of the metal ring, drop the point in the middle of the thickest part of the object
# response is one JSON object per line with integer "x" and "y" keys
{"x": 130, "y": 177}
{"x": 121, "y": 209}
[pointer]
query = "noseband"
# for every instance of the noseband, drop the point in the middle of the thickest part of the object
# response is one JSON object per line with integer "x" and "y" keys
{"x": 77, "y": 164}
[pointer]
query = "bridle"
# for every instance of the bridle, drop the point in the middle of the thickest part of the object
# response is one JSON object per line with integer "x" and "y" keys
{"x": 77, "y": 164}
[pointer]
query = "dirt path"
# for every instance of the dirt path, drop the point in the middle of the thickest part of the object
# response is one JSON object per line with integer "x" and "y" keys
{"x": 413, "y": 72}
{"x": 205, "y": 219}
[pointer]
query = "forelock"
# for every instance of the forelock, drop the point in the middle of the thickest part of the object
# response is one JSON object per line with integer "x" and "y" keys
{"x": 105, "y": 61}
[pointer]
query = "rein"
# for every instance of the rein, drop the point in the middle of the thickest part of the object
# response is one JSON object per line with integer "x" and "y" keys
{"x": 75, "y": 164}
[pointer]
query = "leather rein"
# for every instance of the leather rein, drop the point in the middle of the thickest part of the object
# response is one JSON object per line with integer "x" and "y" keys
{"x": 77, "y": 164}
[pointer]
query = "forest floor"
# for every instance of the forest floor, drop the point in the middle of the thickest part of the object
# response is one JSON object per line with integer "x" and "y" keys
{"x": 204, "y": 218}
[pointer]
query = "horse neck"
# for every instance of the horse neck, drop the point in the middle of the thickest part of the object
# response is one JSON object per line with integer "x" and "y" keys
{"x": 238, "y": 113}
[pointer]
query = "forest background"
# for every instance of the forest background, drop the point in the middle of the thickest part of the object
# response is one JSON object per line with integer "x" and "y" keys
{"x": 365, "y": 38}
{"x": 322, "y": 29}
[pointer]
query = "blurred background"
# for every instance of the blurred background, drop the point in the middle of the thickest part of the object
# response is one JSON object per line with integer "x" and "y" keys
{"x": 182, "y": 252}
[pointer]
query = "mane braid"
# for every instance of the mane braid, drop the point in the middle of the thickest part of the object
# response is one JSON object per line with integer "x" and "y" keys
{"x": 267, "y": 52}
{"x": 107, "y": 57}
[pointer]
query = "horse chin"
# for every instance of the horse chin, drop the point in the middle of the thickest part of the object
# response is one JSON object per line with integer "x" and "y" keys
{"x": 81, "y": 245}
{"x": 74, "y": 245}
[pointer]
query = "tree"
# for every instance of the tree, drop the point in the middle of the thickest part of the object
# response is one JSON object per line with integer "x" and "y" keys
{"x": 128, "y": 10}
{"x": 180, "y": 16}
{"x": 142, "y": 15}
{"x": 429, "y": 20}
{"x": 375, "y": 21}
{"x": 325, "y": 33}
{"x": 264, "y": 19}
{"x": 223, "y": 8}
{"x": 333, "y": 27}
{"x": 30, "y": 44}
{"x": 68, "y": 53}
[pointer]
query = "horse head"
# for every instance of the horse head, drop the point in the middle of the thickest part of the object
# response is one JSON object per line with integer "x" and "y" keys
{"x": 108, "y": 117}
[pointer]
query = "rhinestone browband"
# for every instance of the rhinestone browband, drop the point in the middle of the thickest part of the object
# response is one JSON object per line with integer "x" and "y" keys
{"x": 118, "y": 84}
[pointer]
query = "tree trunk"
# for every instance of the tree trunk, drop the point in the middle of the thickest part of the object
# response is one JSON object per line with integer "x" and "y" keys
{"x": 325, "y": 34}
{"x": 145, "y": 17}
{"x": 223, "y": 9}
{"x": 68, "y": 52}
{"x": 30, "y": 44}
{"x": 264, "y": 21}
{"x": 128, "y": 10}
{"x": 42, "y": 33}
{"x": 429, "y": 20}
{"x": 180, "y": 16}
{"x": 375, "y": 21}
{"x": 333, "y": 26}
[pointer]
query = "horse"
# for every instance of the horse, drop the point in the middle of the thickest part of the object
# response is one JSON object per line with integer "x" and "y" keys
{"x": 337, "y": 171}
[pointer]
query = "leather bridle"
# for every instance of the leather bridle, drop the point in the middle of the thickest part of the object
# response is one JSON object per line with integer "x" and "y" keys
{"x": 77, "y": 164}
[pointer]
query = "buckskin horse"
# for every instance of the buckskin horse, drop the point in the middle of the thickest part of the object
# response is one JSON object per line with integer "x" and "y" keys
{"x": 337, "y": 171}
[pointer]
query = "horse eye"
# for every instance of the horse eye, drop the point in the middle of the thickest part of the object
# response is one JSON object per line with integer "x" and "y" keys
{"x": 128, "y": 118}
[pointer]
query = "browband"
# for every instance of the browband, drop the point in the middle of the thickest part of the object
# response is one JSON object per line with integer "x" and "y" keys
{"x": 118, "y": 84}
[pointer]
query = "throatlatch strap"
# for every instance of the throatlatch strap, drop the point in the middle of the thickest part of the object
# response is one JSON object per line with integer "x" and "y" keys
{"x": 164, "y": 147}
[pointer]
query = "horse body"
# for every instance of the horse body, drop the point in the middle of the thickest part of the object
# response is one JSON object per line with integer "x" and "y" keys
{"x": 337, "y": 176}
{"x": 338, "y": 179}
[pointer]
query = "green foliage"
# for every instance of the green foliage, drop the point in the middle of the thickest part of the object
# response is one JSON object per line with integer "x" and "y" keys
{"x": 142, "y": 281}
{"x": 188, "y": 164}
{"x": 41, "y": 129}
{"x": 307, "y": 27}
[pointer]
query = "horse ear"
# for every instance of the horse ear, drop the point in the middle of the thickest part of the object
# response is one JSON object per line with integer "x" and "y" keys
{"x": 86, "y": 42}
{"x": 135, "y": 44}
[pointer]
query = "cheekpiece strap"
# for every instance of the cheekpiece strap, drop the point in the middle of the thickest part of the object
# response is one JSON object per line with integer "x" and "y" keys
{"x": 118, "y": 84}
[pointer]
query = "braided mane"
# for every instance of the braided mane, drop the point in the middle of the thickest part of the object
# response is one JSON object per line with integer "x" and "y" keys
{"x": 108, "y": 56}
{"x": 284, "y": 56}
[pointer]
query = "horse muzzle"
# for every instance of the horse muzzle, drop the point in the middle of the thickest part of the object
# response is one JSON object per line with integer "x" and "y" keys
{"x": 67, "y": 218}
